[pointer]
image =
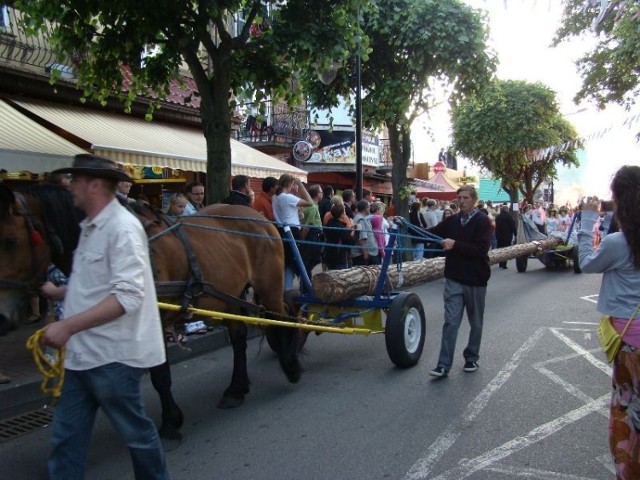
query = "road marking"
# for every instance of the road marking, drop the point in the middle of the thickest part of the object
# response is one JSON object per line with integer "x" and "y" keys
{"x": 422, "y": 467}
{"x": 581, "y": 323}
{"x": 571, "y": 389}
{"x": 469, "y": 467}
{"x": 599, "y": 364}
{"x": 607, "y": 462}
{"x": 534, "y": 473}
{"x": 590, "y": 298}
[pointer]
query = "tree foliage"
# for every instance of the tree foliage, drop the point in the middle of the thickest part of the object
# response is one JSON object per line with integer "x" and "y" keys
{"x": 611, "y": 70}
{"x": 514, "y": 129}
{"x": 417, "y": 49}
{"x": 279, "y": 39}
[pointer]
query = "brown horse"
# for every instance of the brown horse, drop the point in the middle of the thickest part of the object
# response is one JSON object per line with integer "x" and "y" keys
{"x": 28, "y": 244}
{"x": 208, "y": 260}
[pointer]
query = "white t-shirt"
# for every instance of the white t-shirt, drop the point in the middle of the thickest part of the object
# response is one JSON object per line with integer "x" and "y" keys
{"x": 285, "y": 209}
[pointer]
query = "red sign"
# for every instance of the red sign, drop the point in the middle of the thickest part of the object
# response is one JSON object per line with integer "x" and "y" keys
{"x": 439, "y": 167}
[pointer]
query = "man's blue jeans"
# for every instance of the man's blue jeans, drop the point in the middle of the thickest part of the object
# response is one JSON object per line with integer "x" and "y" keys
{"x": 457, "y": 297}
{"x": 116, "y": 389}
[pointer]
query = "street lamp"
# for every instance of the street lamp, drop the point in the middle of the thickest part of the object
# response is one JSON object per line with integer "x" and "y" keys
{"x": 358, "y": 112}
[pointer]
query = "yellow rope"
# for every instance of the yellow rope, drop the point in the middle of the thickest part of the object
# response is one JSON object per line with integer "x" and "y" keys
{"x": 51, "y": 370}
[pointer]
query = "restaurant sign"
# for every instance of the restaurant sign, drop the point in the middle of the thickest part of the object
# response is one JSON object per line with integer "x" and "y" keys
{"x": 338, "y": 147}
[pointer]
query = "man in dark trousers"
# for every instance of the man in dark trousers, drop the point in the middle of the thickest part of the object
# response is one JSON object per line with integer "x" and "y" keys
{"x": 466, "y": 241}
{"x": 506, "y": 230}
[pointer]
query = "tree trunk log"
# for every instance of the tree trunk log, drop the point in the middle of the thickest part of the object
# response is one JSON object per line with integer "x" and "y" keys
{"x": 339, "y": 285}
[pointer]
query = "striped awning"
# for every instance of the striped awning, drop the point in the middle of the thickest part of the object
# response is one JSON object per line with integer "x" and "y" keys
{"x": 27, "y": 145}
{"x": 127, "y": 139}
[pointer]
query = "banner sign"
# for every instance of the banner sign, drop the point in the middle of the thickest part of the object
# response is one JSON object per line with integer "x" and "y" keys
{"x": 340, "y": 147}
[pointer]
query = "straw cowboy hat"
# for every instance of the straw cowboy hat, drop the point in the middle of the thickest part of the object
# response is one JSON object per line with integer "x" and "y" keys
{"x": 94, "y": 166}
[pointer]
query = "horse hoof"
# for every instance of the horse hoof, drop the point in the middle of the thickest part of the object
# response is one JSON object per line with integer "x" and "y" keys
{"x": 169, "y": 445}
{"x": 231, "y": 402}
{"x": 169, "y": 432}
{"x": 293, "y": 372}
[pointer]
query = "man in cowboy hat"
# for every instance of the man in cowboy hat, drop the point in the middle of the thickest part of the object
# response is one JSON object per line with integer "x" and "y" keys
{"x": 111, "y": 328}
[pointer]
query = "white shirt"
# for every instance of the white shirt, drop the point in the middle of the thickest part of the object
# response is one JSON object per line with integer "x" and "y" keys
{"x": 190, "y": 209}
{"x": 113, "y": 258}
{"x": 285, "y": 209}
{"x": 430, "y": 218}
{"x": 537, "y": 216}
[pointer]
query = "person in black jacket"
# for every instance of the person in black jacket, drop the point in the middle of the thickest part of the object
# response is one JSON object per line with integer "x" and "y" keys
{"x": 324, "y": 205}
{"x": 338, "y": 239}
{"x": 240, "y": 192}
{"x": 506, "y": 230}
{"x": 466, "y": 241}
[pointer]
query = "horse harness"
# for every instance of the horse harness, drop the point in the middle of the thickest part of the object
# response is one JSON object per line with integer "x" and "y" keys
{"x": 194, "y": 287}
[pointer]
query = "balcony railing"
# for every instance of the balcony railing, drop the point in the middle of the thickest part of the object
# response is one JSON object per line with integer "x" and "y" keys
{"x": 279, "y": 125}
{"x": 19, "y": 49}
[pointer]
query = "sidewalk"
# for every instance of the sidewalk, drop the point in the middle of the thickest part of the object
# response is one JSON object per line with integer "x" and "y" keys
{"x": 23, "y": 393}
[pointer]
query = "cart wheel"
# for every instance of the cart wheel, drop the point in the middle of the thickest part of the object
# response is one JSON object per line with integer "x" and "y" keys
{"x": 521, "y": 264}
{"x": 405, "y": 330}
{"x": 576, "y": 261}
{"x": 291, "y": 309}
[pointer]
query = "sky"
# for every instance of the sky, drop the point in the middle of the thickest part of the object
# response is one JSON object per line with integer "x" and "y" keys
{"x": 521, "y": 35}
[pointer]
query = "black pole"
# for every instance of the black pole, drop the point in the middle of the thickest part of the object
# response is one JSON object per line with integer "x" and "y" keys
{"x": 358, "y": 122}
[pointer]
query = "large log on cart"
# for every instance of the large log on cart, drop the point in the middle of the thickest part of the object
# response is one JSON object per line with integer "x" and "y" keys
{"x": 340, "y": 285}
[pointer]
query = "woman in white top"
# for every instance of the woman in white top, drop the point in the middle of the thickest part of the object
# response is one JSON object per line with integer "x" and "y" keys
{"x": 290, "y": 195}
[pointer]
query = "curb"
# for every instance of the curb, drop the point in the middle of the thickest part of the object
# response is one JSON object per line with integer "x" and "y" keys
{"x": 20, "y": 397}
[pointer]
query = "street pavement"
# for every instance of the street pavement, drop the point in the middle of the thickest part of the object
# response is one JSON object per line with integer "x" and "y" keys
{"x": 536, "y": 408}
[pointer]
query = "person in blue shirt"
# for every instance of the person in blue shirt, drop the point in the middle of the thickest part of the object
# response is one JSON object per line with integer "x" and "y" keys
{"x": 617, "y": 258}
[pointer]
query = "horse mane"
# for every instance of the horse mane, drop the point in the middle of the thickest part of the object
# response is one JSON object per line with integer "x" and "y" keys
{"x": 142, "y": 209}
{"x": 60, "y": 215}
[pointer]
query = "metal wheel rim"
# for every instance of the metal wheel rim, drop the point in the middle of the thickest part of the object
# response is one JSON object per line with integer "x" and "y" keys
{"x": 412, "y": 330}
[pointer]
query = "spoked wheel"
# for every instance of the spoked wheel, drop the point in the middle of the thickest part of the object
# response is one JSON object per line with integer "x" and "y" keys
{"x": 521, "y": 263}
{"x": 405, "y": 330}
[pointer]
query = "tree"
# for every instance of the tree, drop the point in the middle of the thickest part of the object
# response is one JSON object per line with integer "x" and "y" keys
{"x": 110, "y": 41}
{"x": 611, "y": 70}
{"x": 514, "y": 130}
{"x": 417, "y": 47}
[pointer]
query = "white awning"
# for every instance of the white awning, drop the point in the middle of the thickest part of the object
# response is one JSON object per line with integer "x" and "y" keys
{"x": 27, "y": 145}
{"x": 127, "y": 139}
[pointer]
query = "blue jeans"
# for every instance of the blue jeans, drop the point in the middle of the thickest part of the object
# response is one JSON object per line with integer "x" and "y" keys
{"x": 457, "y": 297}
{"x": 116, "y": 389}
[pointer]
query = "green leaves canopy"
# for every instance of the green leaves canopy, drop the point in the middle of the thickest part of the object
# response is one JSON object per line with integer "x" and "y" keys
{"x": 503, "y": 128}
{"x": 198, "y": 35}
{"x": 611, "y": 70}
{"x": 417, "y": 50}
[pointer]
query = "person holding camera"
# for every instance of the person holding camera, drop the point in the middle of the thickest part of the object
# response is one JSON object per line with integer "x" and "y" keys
{"x": 618, "y": 260}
